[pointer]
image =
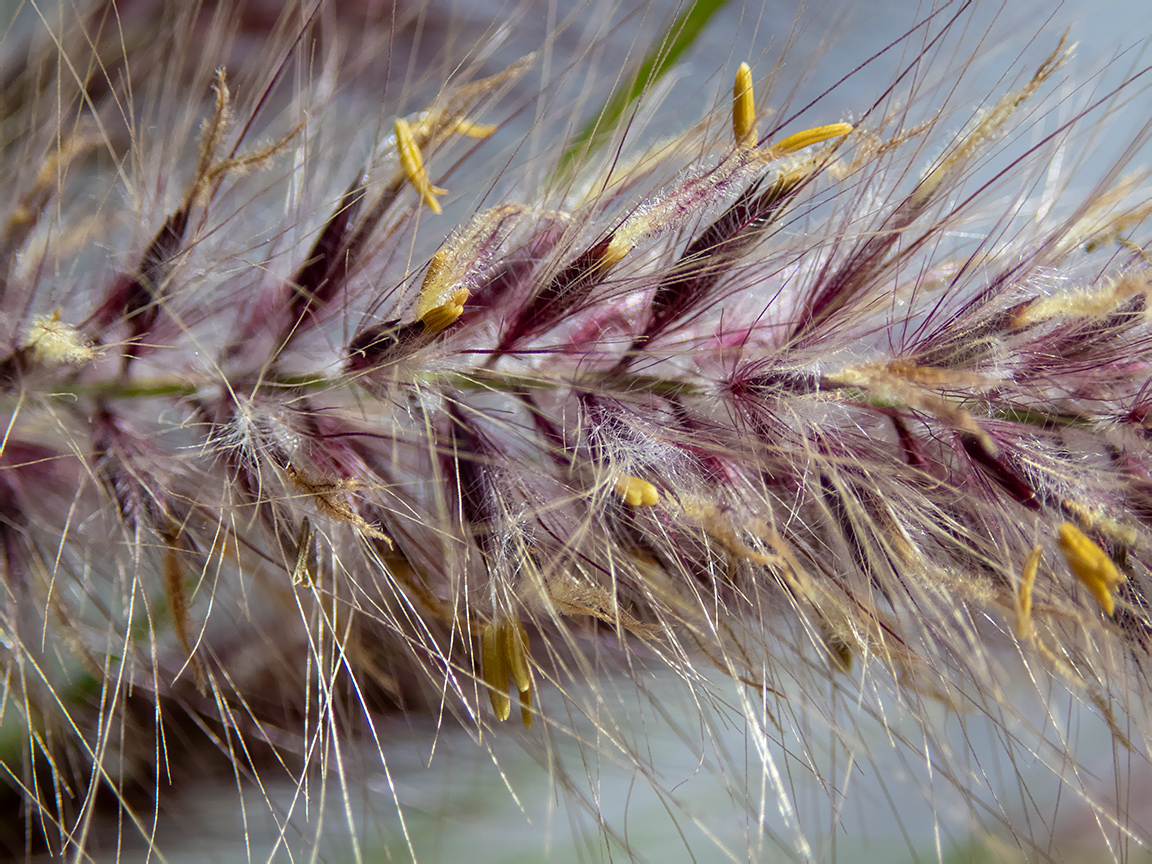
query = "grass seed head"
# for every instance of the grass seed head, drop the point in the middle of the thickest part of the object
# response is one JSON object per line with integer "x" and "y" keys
{"x": 790, "y": 420}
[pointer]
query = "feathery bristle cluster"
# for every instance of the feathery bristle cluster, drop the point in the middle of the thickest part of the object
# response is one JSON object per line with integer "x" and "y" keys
{"x": 768, "y": 406}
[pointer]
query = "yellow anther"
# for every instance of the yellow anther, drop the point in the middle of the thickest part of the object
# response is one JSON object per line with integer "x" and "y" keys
{"x": 462, "y": 259}
{"x": 526, "y": 708}
{"x": 809, "y": 137}
{"x": 432, "y": 289}
{"x": 445, "y": 314}
{"x": 505, "y": 654}
{"x": 495, "y": 673}
{"x": 636, "y": 492}
{"x": 413, "y": 164}
{"x": 472, "y": 130}
{"x": 514, "y": 647}
{"x": 1024, "y": 594}
{"x": 744, "y": 107}
{"x": 1091, "y": 565}
{"x": 617, "y": 248}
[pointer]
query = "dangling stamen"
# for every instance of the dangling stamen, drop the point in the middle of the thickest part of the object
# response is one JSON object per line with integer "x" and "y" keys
{"x": 744, "y": 108}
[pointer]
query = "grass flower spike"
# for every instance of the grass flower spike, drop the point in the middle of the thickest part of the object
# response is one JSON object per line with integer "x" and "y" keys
{"x": 730, "y": 435}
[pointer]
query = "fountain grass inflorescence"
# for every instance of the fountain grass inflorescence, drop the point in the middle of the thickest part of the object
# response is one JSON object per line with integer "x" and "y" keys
{"x": 804, "y": 408}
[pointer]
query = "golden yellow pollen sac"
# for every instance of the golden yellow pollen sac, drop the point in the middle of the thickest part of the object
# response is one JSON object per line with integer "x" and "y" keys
{"x": 526, "y": 708}
{"x": 505, "y": 654}
{"x": 514, "y": 646}
{"x": 809, "y": 137}
{"x": 1091, "y": 565}
{"x": 744, "y": 107}
{"x": 495, "y": 672}
{"x": 431, "y": 288}
{"x": 1024, "y": 594}
{"x": 472, "y": 130}
{"x": 513, "y": 643}
{"x": 636, "y": 492}
{"x": 446, "y": 314}
{"x": 617, "y": 248}
{"x": 413, "y": 164}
